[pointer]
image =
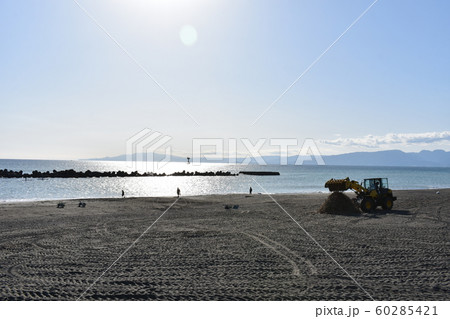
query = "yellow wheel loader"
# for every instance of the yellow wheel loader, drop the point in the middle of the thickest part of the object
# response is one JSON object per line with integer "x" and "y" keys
{"x": 375, "y": 192}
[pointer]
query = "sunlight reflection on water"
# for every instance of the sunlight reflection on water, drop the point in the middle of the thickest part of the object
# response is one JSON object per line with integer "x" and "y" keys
{"x": 293, "y": 179}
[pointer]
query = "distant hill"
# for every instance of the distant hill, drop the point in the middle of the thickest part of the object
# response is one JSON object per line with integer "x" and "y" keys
{"x": 437, "y": 158}
{"x": 123, "y": 157}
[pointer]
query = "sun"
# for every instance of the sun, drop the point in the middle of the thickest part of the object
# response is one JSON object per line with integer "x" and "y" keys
{"x": 188, "y": 35}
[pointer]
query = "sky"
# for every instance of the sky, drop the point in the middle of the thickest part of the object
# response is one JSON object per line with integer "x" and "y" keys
{"x": 80, "y": 78}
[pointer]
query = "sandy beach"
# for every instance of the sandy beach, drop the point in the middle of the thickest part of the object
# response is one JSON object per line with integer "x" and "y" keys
{"x": 198, "y": 250}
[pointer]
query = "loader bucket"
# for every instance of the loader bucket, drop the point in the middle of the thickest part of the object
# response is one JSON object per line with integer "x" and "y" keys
{"x": 335, "y": 185}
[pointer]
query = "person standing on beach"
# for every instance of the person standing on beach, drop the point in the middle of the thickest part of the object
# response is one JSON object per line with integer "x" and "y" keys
{"x": 123, "y": 194}
{"x": 251, "y": 190}
{"x": 178, "y": 192}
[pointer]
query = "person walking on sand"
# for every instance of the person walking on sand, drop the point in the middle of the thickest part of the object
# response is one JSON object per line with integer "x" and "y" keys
{"x": 123, "y": 194}
{"x": 251, "y": 190}
{"x": 178, "y": 192}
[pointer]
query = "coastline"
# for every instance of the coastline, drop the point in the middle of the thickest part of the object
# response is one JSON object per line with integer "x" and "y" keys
{"x": 198, "y": 250}
{"x": 324, "y": 192}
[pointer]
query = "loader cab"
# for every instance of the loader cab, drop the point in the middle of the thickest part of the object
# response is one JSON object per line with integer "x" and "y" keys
{"x": 377, "y": 184}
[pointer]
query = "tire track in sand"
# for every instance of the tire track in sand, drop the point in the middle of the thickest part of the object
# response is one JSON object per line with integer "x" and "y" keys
{"x": 295, "y": 269}
{"x": 309, "y": 264}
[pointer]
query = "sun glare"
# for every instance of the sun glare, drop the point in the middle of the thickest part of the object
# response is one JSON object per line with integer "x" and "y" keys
{"x": 170, "y": 5}
{"x": 188, "y": 35}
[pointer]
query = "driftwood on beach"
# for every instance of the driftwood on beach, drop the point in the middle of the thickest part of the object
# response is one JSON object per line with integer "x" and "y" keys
{"x": 70, "y": 173}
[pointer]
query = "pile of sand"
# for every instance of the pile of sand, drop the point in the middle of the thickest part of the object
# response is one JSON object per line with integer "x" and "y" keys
{"x": 339, "y": 204}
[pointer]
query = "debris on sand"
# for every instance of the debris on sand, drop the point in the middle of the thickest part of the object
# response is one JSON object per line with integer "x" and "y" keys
{"x": 339, "y": 204}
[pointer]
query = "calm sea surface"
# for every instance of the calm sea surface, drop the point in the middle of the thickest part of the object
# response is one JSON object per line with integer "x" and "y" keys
{"x": 293, "y": 179}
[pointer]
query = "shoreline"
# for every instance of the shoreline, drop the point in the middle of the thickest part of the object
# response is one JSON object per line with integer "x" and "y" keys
{"x": 325, "y": 192}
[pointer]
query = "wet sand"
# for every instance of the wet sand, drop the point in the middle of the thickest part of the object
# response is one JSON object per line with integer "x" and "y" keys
{"x": 198, "y": 250}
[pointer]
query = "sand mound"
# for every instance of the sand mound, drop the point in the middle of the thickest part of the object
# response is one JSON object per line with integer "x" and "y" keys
{"x": 339, "y": 204}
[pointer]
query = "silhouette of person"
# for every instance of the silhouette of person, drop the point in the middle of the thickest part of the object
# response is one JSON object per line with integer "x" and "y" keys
{"x": 123, "y": 193}
{"x": 178, "y": 192}
{"x": 377, "y": 186}
{"x": 251, "y": 190}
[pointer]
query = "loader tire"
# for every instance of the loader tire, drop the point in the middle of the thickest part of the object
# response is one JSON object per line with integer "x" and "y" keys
{"x": 367, "y": 204}
{"x": 388, "y": 203}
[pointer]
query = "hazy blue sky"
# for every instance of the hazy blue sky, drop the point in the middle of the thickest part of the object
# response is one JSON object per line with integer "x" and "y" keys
{"x": 67, "y": 91}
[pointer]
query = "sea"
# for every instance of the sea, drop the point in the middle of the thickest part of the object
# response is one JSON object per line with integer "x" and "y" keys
{"x": 292, "y": 179}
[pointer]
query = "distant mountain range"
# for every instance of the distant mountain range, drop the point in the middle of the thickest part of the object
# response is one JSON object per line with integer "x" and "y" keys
{"x": 437, "y": 158}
